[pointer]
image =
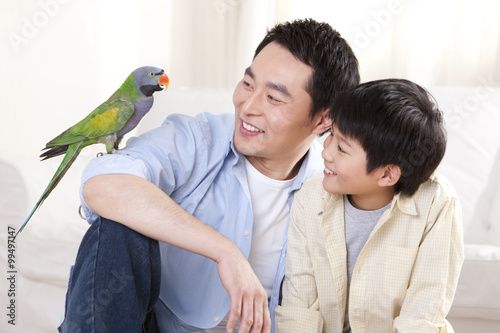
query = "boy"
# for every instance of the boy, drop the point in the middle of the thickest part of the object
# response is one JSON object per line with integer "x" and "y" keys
{"x": 378, "y": 247}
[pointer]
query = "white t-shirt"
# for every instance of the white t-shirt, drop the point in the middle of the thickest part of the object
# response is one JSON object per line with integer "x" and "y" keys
{"x": 271, "y": 215}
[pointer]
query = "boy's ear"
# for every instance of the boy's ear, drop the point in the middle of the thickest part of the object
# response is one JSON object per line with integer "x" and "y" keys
{"x": 323, "y": 122}
{"x": 390, "y": 176}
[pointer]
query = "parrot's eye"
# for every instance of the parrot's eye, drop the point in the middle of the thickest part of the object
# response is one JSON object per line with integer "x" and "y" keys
{"x": 151, "y": 74}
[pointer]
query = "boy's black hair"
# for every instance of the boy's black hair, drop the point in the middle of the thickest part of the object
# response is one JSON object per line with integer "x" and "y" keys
{"x": 396, "y": 122}
{"x": 318, "y": 45}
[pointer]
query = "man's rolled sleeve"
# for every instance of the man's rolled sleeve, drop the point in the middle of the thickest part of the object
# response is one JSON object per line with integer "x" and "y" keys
{"x": 110, "y": 164}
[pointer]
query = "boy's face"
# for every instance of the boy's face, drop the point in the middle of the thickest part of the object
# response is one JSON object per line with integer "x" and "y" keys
{"x": 345, "y": 172}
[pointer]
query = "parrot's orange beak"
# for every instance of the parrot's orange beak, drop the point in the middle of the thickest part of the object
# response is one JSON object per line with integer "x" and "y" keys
{"x": 163, "y": 80}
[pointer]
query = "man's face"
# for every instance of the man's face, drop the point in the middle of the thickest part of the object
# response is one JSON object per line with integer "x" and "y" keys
{"x": 272, "y": 123}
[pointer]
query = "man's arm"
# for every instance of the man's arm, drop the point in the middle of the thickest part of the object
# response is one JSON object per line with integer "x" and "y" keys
{"x": 143, "y": 207}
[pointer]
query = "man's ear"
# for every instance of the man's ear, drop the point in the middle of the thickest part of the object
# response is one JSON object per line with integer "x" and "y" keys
{"x": 322, "y": 121}
{"x": 390, "y": 176}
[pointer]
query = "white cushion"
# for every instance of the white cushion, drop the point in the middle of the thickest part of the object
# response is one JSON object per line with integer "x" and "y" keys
{"x": 478, "y": 292}
{"x": 471, "y": 162}
{"x": 493, "y": 223}
{"x": 47, "y": 247}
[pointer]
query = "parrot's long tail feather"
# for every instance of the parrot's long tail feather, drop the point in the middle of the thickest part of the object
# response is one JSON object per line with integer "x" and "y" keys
{"x": 69, "y": 158}
{"x": 54, "y": 151}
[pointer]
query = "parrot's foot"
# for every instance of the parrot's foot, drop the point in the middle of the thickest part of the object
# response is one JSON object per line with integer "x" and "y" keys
{"x": 99, "y": 154}
{"x": 80, "y": 212}
{"x": 115, "y": 151}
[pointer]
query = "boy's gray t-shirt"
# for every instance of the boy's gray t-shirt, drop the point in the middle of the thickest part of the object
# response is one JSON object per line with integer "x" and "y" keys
{"x": 358, "y": 226}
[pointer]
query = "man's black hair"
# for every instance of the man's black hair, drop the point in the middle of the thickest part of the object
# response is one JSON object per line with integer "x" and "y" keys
{"x": 318, "y": 45}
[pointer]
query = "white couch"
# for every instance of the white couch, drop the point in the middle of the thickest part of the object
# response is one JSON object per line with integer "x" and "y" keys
{"x": 48, "y": 246}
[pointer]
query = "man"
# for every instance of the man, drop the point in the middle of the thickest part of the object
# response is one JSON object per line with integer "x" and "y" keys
{"x": 214, "y": 190}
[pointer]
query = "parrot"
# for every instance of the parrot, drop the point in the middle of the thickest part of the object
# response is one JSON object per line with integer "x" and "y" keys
{"x": 107, "y": 124}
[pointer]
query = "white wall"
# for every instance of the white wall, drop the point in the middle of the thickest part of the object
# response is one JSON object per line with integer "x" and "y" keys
{"x": 62, "y": 58}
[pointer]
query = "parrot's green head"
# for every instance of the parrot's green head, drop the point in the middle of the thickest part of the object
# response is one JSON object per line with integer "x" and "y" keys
{"x": 149, "y": 79}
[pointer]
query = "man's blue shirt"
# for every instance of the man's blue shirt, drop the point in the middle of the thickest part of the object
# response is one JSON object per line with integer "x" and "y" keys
{"x": 193, "y": 160}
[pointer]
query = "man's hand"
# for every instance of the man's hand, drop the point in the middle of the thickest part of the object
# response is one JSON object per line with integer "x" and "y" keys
{"x": 248, "y": 297}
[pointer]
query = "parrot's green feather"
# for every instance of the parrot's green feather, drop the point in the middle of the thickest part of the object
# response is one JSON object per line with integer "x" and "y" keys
{"x": 122, "y": 102}
{"x": 92, "y": 128}
{"x": 128, "y": 88}
{"x": 69, "y": 158}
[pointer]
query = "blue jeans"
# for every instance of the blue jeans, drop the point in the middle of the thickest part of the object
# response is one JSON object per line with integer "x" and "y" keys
{"x": 114, "y": 283}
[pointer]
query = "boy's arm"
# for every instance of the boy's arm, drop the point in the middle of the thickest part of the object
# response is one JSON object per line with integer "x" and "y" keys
{"x": 435, "y": 273}
{"x": 299, "y": 311}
